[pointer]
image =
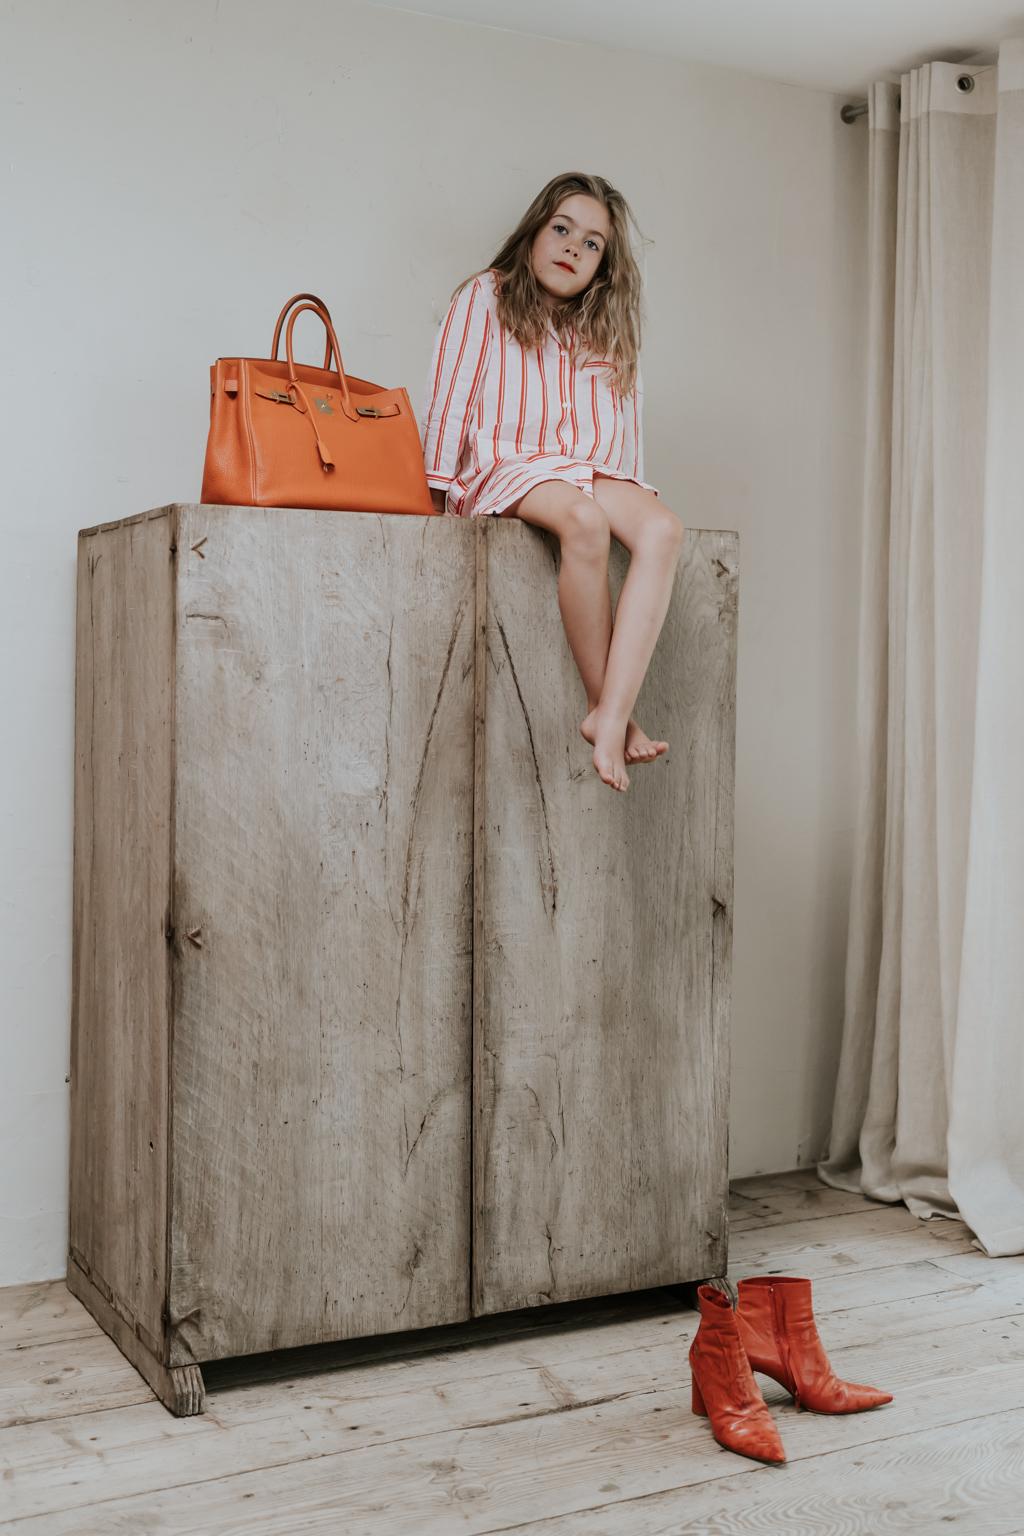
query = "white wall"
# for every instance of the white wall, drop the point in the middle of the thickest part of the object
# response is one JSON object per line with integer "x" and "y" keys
{"x": 172, "y": 172}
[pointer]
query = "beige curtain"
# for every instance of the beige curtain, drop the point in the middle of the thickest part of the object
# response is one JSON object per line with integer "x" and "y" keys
{"x": 929, "y": 1102}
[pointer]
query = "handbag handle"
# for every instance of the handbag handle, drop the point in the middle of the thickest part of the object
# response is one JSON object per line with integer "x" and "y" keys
{"x": 297, "y": 299}
{"x": 332, "y": 341}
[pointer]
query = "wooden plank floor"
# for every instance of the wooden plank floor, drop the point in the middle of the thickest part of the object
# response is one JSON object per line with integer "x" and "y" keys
{"x": 567, "y": 1421}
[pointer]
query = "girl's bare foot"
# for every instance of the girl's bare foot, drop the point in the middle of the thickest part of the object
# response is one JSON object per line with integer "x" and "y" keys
{"x": 639, "y": 746}
{"x": 608, "y": 739}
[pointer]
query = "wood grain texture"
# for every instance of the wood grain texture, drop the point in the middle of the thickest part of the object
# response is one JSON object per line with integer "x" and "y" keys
{"x": 566, "y": 1418}
{"x": 42, "y": 1309}
{"x": 864, "y": 1240}
{"x": 603, "y": 948}
{"x": 122, "y": 884}
{"x": 576, "y": 1424}
{"x": 323, "y": 928}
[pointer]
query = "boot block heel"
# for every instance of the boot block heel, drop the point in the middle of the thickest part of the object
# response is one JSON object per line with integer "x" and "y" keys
{"x": 697, "y": 1400}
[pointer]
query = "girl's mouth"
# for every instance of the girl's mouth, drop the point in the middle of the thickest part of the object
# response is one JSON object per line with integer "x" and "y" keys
{"x": 565, "y": 267}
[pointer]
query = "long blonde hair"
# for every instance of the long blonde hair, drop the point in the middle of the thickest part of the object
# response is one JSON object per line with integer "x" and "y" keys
{"x": 606, "y": 315}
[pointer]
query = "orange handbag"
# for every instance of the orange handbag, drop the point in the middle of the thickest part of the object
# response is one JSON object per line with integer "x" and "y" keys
{"x": 283, "y": 434}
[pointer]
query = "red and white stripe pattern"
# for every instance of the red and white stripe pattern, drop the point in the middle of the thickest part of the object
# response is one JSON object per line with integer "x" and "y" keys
{"x": 500, "y": 418}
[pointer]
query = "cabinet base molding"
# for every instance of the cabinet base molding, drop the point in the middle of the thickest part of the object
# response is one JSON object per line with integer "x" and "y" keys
{"x": 180, "y": 1387}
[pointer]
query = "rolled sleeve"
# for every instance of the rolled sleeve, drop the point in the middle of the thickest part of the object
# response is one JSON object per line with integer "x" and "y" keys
{"x": 631, "y": 461}
{"x": 456, "y": 373}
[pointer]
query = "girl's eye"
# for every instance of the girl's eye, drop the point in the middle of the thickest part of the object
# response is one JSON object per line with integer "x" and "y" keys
{"x": 594, "y": 243}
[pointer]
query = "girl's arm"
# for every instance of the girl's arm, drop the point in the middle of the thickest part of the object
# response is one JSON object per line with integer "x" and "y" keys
{"x": 632, "y": 461}
{"x": 456, "y": 372}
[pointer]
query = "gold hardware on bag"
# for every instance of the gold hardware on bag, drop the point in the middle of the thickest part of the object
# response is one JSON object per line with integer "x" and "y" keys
{"x": 324, "y": 407}
{"x": 368, "y": 410}
{"x": 275, "y": 394}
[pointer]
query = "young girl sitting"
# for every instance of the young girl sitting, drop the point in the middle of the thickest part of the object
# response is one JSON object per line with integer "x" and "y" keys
{"x": 534, "y": 410}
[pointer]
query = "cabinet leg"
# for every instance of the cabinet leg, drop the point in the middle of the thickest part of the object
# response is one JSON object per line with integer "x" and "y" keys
{"x": 179, "y": 1387}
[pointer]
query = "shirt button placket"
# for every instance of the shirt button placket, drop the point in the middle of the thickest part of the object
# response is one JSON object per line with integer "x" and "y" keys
{"x": 562, "y": 396}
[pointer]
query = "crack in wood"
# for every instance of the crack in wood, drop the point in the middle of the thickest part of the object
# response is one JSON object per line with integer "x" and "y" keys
{"x": 417, "y": 1255}
{"x": 560, "y": 1390}
{"x": 551, "y": 1268}
{"x": 383, "y": 802}
{"x": 548, "y": 1408}
{"x": 552, "y": 884}
{"x": 406, "y": 916}
{"x": 442, "y": 1093}
{"x": 561, "y": 1106}
{"x": 547, "y": 1123}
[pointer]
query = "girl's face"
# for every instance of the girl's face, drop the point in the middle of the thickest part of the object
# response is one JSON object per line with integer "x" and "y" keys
{"x": 567, "y": 250}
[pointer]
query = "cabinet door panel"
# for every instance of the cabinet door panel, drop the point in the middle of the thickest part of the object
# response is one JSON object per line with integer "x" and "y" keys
{"x": 323, "y": 850}
{"x": 603, "y": 946}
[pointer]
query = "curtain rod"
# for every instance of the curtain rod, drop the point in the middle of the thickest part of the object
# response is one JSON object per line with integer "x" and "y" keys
{"x": 853, "y": 110}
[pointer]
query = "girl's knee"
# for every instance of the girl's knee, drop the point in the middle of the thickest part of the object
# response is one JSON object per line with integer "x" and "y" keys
{"x": 585, "y": 523}
{"x": 664, "y": 530}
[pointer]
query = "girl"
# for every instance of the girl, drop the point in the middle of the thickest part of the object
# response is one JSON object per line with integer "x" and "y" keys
{"x": 534, "y": 410}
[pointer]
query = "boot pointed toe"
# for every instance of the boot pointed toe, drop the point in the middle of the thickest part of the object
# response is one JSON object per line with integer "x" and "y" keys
{"x": 724, "y": 1389}
{"x": 855, "y": 1398}
{"x": 777, "y": 1327}
{"x": 761, "y": 1442}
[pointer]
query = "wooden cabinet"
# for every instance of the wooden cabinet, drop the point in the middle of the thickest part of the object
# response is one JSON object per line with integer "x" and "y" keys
{"x": 386, "y": 1011}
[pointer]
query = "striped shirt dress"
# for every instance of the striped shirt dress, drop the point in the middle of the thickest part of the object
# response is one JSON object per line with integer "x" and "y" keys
{"x": 500, "y": 418}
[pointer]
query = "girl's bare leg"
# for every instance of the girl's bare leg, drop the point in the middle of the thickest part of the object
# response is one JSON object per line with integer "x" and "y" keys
{"x": 654, "y": 536}
{"x": 584, "y": 530}
{"x": 584, "y": 599}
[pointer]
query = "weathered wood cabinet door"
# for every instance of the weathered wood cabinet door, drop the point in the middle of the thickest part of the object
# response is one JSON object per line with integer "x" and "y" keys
{"x": 603, "y": 945}
{"x": 323, "y": 862}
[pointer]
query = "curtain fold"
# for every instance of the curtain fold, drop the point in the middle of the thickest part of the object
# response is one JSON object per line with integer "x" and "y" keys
{"x": 927, "y": 1103}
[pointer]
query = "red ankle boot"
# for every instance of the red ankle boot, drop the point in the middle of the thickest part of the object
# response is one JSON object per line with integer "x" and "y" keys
{"x": 724, "y": 1389}
{"x": 777, "y": 1327}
